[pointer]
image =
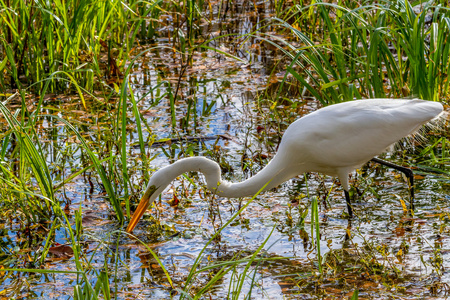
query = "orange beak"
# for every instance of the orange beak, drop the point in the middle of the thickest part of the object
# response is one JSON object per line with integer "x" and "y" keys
{"x": 142, "y": 207}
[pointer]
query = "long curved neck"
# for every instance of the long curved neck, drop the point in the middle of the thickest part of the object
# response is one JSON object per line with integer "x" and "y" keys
{"x": 270, "y": 176}
{"x": 276, "y": 172}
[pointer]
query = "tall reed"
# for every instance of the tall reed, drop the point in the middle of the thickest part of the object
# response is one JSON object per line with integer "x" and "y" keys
{"x": 385, "y": 49}
{"x": 40, "y": 39}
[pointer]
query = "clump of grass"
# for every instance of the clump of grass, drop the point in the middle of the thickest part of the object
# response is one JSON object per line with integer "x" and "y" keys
{"x": 23, "y": 140}
{"x": 388, "y": 49}
{"x": 45, "y": 37}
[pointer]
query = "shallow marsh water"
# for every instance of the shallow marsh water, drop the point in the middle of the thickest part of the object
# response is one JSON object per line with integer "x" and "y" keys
{"x": 382, "y": 252}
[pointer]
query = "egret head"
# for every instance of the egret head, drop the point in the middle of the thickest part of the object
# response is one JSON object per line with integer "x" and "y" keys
{"x": 156, "y": 185}
{"x": 142, "y": 207}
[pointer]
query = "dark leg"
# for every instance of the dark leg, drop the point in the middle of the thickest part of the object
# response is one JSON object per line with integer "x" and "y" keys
{"x": 349, "y": 206}
{"x": 408, "y": 173}
{"x": 347, "y": 236}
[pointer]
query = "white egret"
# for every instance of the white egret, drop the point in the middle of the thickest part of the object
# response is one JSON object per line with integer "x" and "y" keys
{"x": 334, "y": 140}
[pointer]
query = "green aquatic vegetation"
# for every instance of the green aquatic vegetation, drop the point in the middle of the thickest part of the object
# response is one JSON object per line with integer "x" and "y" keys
{"x": 388, "y": 49}
{"x": 70, "y": 36}
{"x": 23, "y": 138}
{"x": 315, "y": 231}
